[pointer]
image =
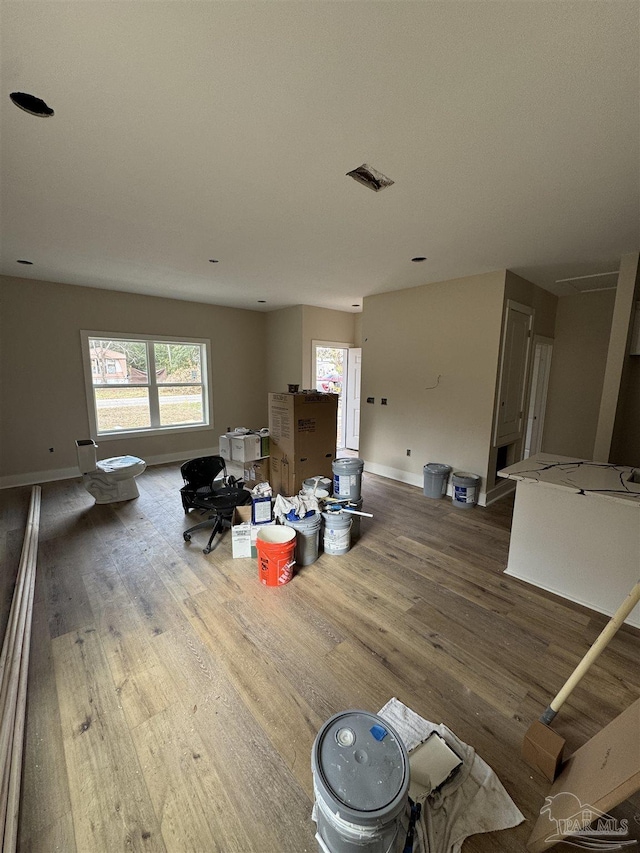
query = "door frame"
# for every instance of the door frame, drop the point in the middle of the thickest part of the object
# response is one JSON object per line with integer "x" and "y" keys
{"x": 540, "y": 413}
{"x": 511, "y": 304}
{"x": 340, "y": 439}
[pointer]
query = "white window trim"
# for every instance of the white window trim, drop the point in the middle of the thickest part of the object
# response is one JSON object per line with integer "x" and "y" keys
{"x": 86, "y": 334}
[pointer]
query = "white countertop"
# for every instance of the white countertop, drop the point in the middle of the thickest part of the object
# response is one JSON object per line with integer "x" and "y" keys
{"x": 598, "y": 479}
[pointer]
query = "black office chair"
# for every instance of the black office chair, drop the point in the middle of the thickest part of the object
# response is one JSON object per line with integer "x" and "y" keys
{"x": 208, "y": 489}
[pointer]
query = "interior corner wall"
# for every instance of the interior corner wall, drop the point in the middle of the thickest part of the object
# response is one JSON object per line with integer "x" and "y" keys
{"x": 323, "y": 324}
{"x": 41, "y": 372}
{"x": 542, "y": 301}
{"x": 625, "y": 442}
{"x": 583, "y": 326}
{"x": 283, "y": 354}
{"x": 432, "y": 351}
{"x": 617, "y": 356}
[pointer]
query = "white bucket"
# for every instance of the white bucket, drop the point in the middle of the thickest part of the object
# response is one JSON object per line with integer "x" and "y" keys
{"x": 337, "y": 532}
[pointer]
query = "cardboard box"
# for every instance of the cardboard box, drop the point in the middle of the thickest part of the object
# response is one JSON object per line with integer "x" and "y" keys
{"x": 304, "y": 425}
{"x": 245, "y": 448}
{"x": 244, "y": 533}
{"x": 289, "y": 472}
{"x": 224, "y": 447}
{"x": 253, "y": 472}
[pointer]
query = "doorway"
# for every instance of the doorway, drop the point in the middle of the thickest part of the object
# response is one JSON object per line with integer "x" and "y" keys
{"x": 336, "y": 370}
{"x": 542, "y": 351}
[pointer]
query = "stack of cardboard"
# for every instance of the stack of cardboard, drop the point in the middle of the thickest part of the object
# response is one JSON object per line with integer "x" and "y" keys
{"x": 247, "y": 457}
{"x": 303, "y": 429}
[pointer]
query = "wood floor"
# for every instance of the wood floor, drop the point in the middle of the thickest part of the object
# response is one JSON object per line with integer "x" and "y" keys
{"x": 173, "y": 700}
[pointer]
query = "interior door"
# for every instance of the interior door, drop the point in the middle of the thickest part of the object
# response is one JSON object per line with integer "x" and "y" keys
{"x": 354, "y": 366}
{"x": 543, "y": 348}
{"x": 516, "y": 345}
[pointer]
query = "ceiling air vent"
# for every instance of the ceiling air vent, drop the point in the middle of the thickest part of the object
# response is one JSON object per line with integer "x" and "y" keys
{"x": 370, "y": 177}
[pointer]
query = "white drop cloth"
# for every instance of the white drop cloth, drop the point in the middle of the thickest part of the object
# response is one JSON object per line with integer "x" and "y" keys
{"x": 473, "y": 801}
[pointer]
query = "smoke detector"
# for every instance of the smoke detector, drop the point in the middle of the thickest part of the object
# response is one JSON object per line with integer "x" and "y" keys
{"x": 370, "y": 177}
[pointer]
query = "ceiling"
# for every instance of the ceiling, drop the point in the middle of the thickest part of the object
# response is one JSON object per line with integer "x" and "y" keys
{"x": 186, "y": 131}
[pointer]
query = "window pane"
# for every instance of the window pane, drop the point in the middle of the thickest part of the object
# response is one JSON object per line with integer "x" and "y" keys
{"x": 118, "y": 362}
{"x": 181, "y": 405}
{"x": 177, "y": 363}
{"x": 122, "y": 409}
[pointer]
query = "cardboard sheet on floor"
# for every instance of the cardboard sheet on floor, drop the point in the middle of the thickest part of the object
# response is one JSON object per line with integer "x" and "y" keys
{"x": 474, "y": 799}
{"x": 600, "y": 775}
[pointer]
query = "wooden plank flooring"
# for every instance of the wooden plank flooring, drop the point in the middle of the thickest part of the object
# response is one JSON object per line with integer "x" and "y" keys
{"x": 173, "y": 700}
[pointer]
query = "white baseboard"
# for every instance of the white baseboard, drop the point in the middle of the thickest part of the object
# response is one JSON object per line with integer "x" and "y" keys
{"x": 33, "y": 478}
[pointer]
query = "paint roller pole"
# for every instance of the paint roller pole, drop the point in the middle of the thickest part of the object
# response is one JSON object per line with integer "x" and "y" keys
{"x": 594, "y": 652}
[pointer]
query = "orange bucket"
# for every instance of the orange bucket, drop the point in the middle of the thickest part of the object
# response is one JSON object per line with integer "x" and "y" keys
{"x": 276, "y": 545}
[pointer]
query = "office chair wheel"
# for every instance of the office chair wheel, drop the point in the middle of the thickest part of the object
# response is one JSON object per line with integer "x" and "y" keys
{"x": 186, "y": 537}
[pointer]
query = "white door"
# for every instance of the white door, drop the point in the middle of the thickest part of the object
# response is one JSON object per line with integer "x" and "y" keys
{"x": 516, "y": 344}
{"x": 352, "y": 404}
{"x": 543, "y": 348}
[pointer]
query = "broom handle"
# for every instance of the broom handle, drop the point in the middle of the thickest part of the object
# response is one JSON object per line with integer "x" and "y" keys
{"x": 599, "y": 646}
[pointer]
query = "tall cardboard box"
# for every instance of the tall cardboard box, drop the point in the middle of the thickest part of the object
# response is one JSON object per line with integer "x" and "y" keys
{"x": 303, "y": 430}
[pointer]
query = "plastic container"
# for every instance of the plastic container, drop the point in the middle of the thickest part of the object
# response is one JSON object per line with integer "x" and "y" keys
{"x": 360, "y": 775}
{"x": 347, "y": 478}
{"x": 337, "y": 532}
{"x": 276, "y": 545}
{"x": 466, "y": 488}
{"x": 307, "y": 537}
{"x": 436, "y": 477}
{"x": 318, "y": 482}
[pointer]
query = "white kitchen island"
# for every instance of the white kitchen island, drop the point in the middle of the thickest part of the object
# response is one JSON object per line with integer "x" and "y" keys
{"x": 576, "y": 529}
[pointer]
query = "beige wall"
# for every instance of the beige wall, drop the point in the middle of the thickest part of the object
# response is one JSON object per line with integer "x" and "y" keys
{"x": 617, "y": 357}
{"x": 450, "y": 329}
{"x": 41, "y": 372}
{"x": 544, "y": 303}
{"x": 583, "y": 324}
{"x": 323, "y": 324}
{"x": 283, "y": 354}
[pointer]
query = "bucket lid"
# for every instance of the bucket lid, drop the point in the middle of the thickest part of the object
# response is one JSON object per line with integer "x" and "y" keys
{"x": 361, "y": 767}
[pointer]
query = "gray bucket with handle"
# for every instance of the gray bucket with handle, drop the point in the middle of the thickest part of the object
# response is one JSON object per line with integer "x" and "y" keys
{"x": 360, "y": 774}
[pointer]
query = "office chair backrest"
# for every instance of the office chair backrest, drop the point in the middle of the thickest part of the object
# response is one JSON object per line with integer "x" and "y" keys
{"x": 201, "y": 472}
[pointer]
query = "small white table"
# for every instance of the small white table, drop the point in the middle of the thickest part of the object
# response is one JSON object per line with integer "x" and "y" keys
{"x": 576, "y": 529}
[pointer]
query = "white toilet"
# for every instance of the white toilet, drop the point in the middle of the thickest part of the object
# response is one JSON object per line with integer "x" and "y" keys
{"x": 109, "y": 480}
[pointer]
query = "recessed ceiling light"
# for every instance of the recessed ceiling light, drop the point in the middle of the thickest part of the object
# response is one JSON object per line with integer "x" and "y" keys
{"x": 213, "y": 261}
{"x": 418, "y": 260}
{"x": 30, "y": 263}
{"x": 262, "y": 300}
{"x": 31, "y": 104}
{"x": 355, "y": 305}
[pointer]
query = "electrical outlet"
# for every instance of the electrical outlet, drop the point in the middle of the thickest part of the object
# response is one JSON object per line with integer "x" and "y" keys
{"x": 408, "y": 452}
{"x": 371, "y": 399}
{"x": 383, "y": 401}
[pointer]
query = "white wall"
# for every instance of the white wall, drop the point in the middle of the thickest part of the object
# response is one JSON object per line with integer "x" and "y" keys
{"x": 410, "y": 337}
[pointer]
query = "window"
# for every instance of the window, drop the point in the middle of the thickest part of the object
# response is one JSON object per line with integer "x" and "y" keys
{"x": 139, "y": 384}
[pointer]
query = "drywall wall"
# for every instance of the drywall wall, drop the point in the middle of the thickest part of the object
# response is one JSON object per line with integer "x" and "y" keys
{"x": 432, "y": 351}
{"x": 283, "y": 354}
{"x": 625, "y": 442}
{"x": 323, "y": 324}
{"x": 621, "y": 327}
{"x": 583, "y": 325}
{"x": 44, "y": 402}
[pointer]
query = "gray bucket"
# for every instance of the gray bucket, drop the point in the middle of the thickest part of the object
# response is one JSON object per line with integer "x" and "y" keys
{"x": 347, "y": 477}
{"x": 360, "y": 774}
{"x": 436, "y": 477}
{"x": 337, "y": 532}
{"x": 307, "y": 538}
{"x": 466, "y": 488}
